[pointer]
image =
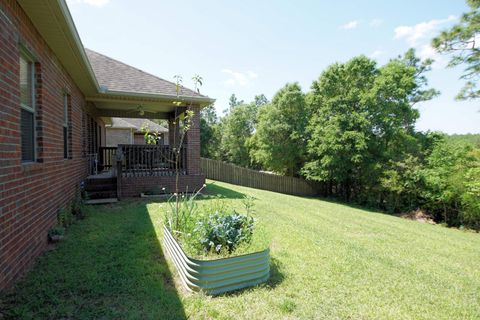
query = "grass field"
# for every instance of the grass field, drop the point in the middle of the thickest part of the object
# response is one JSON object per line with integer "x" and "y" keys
{"x": 329, "y": 261}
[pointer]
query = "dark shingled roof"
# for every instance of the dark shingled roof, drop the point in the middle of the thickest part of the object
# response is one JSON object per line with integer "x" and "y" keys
{"x": 137, "y": 124}
{"x": 118, "y": 76}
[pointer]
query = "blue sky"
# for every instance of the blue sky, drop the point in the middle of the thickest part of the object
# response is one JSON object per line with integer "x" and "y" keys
{"x": 251, "y": 47}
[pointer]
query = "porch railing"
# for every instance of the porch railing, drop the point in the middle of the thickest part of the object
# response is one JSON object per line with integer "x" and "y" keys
{"x": 151, "y": 160}
{"x": 106, "y": 157}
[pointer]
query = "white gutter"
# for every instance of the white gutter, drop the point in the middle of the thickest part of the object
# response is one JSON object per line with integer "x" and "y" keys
{"x": 169, "y": 97}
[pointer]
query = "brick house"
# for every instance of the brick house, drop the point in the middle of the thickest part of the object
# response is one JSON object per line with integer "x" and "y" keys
{"x": 53, "y": 97}
{"x": 131, "y": 131}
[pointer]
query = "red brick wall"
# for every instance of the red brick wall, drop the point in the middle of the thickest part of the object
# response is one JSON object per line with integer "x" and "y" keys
{"x": 192, "y": 139}
{"x": 30, "y": 195}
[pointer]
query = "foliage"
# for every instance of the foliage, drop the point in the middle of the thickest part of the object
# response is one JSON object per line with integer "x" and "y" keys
{"x": 363, "y": 122}
{"x": 220, "y": 231}
{"x": 472, "y": 139}
{"x": 65, "y": 217}
{"x": 451, "y": 190}
{"x": 209, "y": 133}
{"x": 279, "y": 141}
{"x": 354, "y": 133}
{"x": 214, "y": 228}
{"x": 462, "y": 41}
{"x": 77, "y": 207}
{"x": 181, "y": 211}
{"x": 236, "y": 128}
{"x": 151, "y": 137}
{"x": 56, "y": 231}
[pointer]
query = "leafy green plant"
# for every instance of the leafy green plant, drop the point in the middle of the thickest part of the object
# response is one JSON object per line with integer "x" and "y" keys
{"x": 77, "y": 207}
{"x": 65, "y": 217}
{"x": 56, "y": 231}
{"x": 219, "y": 232}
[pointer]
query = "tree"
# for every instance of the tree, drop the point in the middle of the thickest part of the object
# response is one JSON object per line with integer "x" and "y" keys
{"x": 233, "y": 102}
{"x": 236, "y": 128}
{"x": 363, "y": 122}
{"x": 463, "y": 41}
{"x": 209, "y": 133}
{"x": 260, "y": 100}
{"x": 279, "y": 141}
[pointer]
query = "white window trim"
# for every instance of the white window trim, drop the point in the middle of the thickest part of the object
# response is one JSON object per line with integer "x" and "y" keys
{"x": 65, "y": 123}
{"x": 28, "y": 57}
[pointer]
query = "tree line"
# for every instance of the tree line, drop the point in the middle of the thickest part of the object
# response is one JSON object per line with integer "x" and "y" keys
{"x": 354, "y": 131}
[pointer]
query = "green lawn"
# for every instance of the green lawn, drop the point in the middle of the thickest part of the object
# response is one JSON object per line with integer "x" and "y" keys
{"x": 329, "y": 261}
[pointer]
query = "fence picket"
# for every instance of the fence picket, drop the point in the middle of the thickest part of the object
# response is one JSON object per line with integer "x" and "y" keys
{"x": 222, "y": 171}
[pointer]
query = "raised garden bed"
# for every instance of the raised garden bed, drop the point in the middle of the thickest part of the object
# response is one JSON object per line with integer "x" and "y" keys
{"x": 221, "y": 275}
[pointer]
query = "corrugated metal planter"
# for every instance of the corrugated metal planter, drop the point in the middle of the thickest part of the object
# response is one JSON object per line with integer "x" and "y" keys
{"x": 221, "y": 275}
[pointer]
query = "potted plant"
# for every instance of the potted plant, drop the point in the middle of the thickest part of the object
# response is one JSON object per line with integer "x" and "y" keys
{"x": 56, "y": 234}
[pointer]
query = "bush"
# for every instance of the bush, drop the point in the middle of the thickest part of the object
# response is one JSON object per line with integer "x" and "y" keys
{"x": 219, "y": 232}
{"x": 56, "y": 231}
{"x": 65, "y": 217}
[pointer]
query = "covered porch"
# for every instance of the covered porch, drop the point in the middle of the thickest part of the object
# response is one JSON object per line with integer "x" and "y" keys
{"x": 128, "y": 170}
{"x": 127, "y": 92}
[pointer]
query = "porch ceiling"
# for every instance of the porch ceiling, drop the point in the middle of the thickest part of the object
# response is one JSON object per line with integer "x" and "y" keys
{"x": 135, "y": 108}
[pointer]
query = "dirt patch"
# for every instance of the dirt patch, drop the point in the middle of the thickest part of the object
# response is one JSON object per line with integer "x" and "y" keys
{"x": 418, "y": 215}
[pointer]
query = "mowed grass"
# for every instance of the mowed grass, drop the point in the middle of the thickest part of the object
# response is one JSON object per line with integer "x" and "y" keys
{"x": 329, "y": 261}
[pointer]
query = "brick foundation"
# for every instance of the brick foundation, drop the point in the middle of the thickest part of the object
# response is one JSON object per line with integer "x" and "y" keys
{"x": 132, "y": 187}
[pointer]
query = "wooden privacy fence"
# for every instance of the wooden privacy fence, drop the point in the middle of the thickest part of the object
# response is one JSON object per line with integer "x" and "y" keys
{"x": 226, "y": 172}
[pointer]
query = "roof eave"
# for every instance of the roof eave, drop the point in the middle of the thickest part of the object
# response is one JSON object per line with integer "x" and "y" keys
{"x": 201, "y": 100}
{"x": 54, "y": 22}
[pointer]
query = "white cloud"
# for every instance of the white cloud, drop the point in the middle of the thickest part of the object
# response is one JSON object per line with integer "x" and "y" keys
{"x": 414, "y": 34}
{"x": 239, "y": 78}
{"x": 419, "y": 36}
{"x": 377, "y": 53}
{"x": 350, "y": 25}
{"x": 95, "y": 3}
{"x": 375, "y": 23}
{"x": 252, "y": 74}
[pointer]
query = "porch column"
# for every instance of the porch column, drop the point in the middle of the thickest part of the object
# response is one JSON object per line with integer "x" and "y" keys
{"x": 193, "y": 143}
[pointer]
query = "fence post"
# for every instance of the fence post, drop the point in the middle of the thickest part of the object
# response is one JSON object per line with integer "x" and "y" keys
{"x": 119, "y": 160}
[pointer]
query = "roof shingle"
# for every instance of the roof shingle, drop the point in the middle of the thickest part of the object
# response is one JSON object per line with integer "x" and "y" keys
{"x": 118, "y": 76}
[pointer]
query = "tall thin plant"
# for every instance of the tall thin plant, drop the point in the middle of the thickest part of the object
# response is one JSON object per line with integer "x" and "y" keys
{"x": 187, "y": 122}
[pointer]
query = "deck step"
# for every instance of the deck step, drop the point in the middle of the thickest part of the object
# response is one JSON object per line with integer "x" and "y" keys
{"x": 101, "y": 187}
{"x": 105, "y": 194}
{"x": 101, "y": 201}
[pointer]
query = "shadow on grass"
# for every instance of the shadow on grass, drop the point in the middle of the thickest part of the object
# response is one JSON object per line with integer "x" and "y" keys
{"x": 276, "y": 275}
{"x": 214, "y": 189}
{"x": 111, "y": 266}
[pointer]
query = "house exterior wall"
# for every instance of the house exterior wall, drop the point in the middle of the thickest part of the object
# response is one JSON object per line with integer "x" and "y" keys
{"x": 139, "y": 138}
{"x": 31, "y": 194}
{"x": 114, "y": 137}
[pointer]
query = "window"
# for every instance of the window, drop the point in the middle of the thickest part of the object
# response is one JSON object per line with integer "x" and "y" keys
{"x": 66, "y": 140}
{"x": 27, "y": 115}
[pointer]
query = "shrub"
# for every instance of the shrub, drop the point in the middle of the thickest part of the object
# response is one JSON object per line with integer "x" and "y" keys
{"x": 65, "y": 217}
{"x": 56, "y": 231}
{"x": 77, "y": 207}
